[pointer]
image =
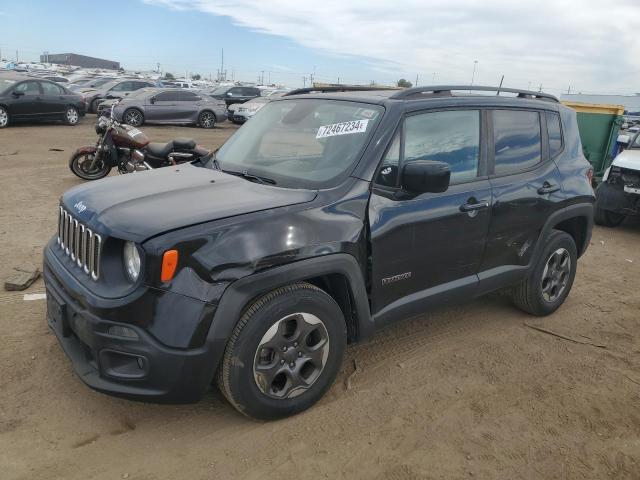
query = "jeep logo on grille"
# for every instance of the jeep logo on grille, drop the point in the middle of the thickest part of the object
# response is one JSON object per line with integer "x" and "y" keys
{"x": 80, "y": 207}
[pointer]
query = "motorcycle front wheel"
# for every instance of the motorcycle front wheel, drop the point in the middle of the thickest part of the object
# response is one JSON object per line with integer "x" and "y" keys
{"x": 82, "y": 164}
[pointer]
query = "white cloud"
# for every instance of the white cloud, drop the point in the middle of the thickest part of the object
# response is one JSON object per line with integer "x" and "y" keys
{"x": 589, "y": 44}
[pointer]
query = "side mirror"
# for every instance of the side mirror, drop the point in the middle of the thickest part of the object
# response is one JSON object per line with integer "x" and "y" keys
{"x": 229, "y": 94}
{"x": 624, "y": 139}
{"x": 152, "y": 100}
{"x": 17, "y": 94}
{"x": 422, "y": 176}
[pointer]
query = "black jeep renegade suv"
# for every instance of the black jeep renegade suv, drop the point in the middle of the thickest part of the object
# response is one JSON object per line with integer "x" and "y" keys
{"x": 328, "y": 215}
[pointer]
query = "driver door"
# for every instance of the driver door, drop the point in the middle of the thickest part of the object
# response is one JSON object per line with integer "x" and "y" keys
{"x": 29, "y": 104}
{"x": 427, "y": 248}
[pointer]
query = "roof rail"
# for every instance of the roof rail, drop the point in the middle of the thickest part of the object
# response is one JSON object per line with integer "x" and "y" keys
{"x": 446, "y": 90}
{"x": 336, "y": 88}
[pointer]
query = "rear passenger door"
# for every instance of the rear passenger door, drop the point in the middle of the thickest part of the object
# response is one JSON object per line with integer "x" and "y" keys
{"x": 53, "y": 99}
{"x": 525, "y": 186}
{"x": 187, "y": 108}
{"x": 428, "y": 248}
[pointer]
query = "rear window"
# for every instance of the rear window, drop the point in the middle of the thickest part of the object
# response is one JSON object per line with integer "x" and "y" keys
{"x": 517, "y": 139}
{"x": 555, "y": 133}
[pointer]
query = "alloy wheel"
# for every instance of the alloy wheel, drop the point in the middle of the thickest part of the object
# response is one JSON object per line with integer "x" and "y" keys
{"x": 207, "y": 120}
{"x": 291, "y": 355}
{"x": 72, "y": 116}
{"x": 556, "y": 274}
{"x": 133, "y": 118}
{"x": 4, "y": 117}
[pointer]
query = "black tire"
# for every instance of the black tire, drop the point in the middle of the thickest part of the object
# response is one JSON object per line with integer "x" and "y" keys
{"x": 93, "y": 106}
{"x": 530, "y": 295}
{"x": 608, "y": 218}
{"x": 71, "y": 116}
{"x": 76, "y": 164}
{"x": 238, "y": 377}
{"x": 207, "y": 119}
{"x": 133, "y": 117}
{"x": 4, "y": 118}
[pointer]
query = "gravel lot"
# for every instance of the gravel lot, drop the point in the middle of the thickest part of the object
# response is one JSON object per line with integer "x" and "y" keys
{"x": 463, "y": 392}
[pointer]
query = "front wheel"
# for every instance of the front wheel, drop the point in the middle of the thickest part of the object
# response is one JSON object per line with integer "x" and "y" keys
{"x": 608, "y": 218}
{"x": 207, "y": 120}
{"x": 87, "y": 167}
{"x": 284, "y": 353}
{"x": 4, "y": 117}
{"x": 71, "y": 116}
{"x": 133, "y": 117}
{"x": 551, "y": 279}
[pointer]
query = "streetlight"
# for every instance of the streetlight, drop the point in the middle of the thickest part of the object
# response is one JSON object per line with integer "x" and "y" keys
{"x": 473, "y": 75}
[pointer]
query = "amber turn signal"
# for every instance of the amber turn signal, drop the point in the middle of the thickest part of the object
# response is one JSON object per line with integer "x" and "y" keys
{"x": 169, "y": 265}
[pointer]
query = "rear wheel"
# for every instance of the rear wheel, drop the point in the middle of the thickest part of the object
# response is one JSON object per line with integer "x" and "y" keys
{"x": 71, "y": 116}
{"x": 284, "y": 353}
{"x": 550, "y": 282}
{"x": 83, "y": 165}
{"x": 133, "y": 117}
{"x": 608, "y": 218}
{"x": 4, "y": 117}
{"x": 207, "y": 119}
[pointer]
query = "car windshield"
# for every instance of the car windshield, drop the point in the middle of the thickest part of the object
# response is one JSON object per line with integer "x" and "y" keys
{"x": 302, "y": 143}
{"x": 5, "y": 83}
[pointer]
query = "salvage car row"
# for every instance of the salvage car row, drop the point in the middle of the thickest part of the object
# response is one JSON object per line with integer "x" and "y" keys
{"x": 137, "y": 101}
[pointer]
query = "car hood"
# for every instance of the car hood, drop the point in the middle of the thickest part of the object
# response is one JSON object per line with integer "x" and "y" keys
{"x": 628, "y": 159}
{"x": 142, "y": 205}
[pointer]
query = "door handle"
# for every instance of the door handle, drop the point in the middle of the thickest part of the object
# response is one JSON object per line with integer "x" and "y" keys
{"x": 472, "y": 207}
{"x": 548, "y": 188}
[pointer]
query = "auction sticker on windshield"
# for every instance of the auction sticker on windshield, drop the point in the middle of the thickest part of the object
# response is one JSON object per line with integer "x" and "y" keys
{"x": 344, "y": 128}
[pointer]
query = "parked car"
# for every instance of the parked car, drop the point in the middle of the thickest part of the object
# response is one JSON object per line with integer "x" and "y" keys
{"x": 618, "y": 195}
{"x": 241, "y": 112}
{"x": 327, "y": 216}
{"x": 118, "y": 88}
{"x": 170, "y": 106}
{"x": 234, "y": 94}
{"x": 25, "y": 98}
{"x": 89, "y": 83}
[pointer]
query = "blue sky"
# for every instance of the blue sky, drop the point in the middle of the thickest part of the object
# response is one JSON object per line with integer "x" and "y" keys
{"x": 141, "y": 35}
{"x": 583, "y": 45}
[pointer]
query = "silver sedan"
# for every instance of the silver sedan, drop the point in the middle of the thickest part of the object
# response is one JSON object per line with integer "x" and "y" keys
{"x": 170, "y": 106}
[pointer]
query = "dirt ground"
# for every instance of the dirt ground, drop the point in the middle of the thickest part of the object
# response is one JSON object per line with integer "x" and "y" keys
{"x": 464, "y": 392}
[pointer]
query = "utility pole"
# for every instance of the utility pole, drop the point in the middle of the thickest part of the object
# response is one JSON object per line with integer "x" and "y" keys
{"x": 569, "y": 90}
{"x": 304, "y": 81}
{"x": 416, "y": 84}
{"x": 473, "y": 75}
{"x": 17, "y": 60}
{"x": 500, "y": 86}
{"x": 540, "y": 89}
{"x": 433, "y": 79}
{"x": 158, "y": 67}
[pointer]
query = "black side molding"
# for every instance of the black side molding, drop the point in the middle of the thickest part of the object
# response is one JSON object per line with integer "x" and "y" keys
{"x": 240, "y": 293}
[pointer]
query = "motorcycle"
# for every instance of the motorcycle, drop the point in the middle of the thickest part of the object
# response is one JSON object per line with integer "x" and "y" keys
{"x": 130, "y": 150}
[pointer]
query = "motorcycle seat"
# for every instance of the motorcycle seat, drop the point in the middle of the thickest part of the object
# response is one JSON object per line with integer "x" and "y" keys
{"x": 162, "y": 150}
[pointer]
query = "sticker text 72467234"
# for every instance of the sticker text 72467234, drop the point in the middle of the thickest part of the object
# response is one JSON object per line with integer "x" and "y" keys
{"x": 344, "y": 128}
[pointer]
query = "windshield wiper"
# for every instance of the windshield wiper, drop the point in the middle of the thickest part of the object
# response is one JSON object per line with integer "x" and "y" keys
{"x": 251, "y": 177}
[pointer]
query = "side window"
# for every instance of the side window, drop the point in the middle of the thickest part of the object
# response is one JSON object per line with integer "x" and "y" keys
{"x": 188, "y": 97}
{"x": 516, "y": 135}
{"x": 235, "y": 92}
{"x": 451, "y": 136}
{"x": 388, "y": 174}
{"x": 555, "y": 133}
{"x": 166, "y": 97}
{"x": 51, "y": 89}
{"x": 122, "y": 87}
{"x": 29, "y": 88}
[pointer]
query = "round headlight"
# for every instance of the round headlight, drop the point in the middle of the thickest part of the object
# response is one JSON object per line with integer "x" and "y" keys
{"x": 131, "y": 261}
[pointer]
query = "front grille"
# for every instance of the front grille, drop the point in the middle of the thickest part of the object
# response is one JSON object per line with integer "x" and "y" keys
{"x": 80, "y": 243}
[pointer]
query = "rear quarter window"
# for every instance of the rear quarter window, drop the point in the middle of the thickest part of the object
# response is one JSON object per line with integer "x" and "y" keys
{"x": 554, "y": 131}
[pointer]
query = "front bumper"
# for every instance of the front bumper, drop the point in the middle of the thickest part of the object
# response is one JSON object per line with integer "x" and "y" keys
{"x": 140, "y": 368}
{"x": 613, "y": 198}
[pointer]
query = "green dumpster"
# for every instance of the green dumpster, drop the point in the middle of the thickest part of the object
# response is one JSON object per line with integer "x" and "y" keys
{"x": 598, "y": 126}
